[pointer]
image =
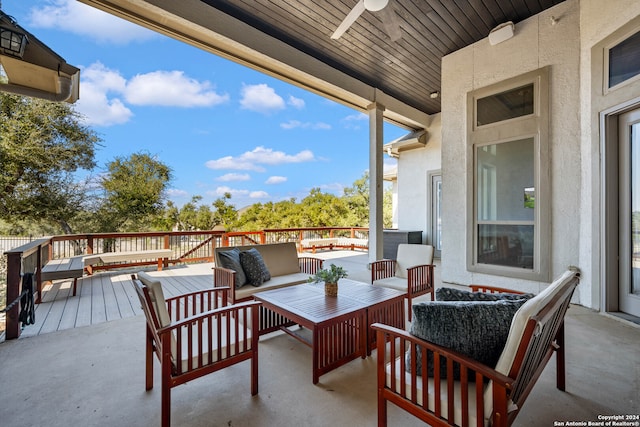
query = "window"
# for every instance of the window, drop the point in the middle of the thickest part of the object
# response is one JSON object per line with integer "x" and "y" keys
{"x": 624, "y": 60}
{"x": 507, "y": 105}
{"x": 505, "y": 217}
{"x": 508, "y": 231}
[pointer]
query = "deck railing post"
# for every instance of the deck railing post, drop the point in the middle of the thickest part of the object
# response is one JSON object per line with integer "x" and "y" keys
{"x": 39, "y": 264}
{"x": 14, "y": 289}
{"x": 89, "y": 244}
{"x": 213, "y": 248}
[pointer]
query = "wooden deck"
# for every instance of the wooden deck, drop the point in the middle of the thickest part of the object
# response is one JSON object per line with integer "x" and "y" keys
{"x": 107, "y": 296}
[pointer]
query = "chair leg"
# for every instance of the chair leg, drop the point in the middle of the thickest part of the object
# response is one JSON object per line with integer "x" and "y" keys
{"x": 560, "y": 359}
{"x": 382, "y": 410}
{"x": 149, "y": 361}
{"x": 75, "y": 285}
{"x": 166, "y": 397}
{"x": 409, "y": 307}
{"x": 254, "y": 373}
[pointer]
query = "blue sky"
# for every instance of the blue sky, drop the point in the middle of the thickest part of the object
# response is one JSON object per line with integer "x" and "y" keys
{"x": 220, "y": 126}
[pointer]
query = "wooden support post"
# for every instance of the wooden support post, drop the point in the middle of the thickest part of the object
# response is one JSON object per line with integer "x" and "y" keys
{"x": 375, "y": 180}
{"x": 167, "y": 245}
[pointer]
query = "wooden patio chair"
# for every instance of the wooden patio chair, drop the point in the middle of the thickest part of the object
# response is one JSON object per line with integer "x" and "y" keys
{"x": 192, "y": 336}
{"x": 448, "y": 388}
{"x": 410, "y": 272}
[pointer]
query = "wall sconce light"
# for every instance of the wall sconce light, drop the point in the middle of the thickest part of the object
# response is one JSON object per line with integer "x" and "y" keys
{"x": 434, "y": 95}
{"x": 12, "y": 42}
{"x": 501, "y": 33}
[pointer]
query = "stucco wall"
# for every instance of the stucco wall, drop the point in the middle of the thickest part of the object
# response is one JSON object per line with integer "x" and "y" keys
{"x": 538, "y": 42}
{"x": 598, "y": 25}
{"x": 413, "y": 167}
{"x": 567, "y": 46}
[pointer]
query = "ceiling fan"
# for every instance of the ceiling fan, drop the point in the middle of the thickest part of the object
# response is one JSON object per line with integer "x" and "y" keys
{"x": 388, "y": 19}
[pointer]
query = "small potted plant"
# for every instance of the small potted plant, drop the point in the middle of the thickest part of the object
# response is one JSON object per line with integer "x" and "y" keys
{"x": 330, "y": 277}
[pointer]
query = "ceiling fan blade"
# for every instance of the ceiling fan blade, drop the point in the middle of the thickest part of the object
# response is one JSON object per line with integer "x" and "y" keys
{"x": 349, "y": 19}
{"x": 391, "y": 23}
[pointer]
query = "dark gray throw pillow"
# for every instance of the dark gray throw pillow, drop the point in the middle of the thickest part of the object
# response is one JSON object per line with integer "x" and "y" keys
{"x": 451, "y": 294}
{"x": 254, "y": 267}
{"x": 231, "y": 259}
{"x": 476, "y": 329}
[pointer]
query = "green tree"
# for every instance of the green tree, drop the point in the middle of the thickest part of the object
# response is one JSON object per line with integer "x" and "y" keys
{"x": 357, "y": 198}
{"x": 42, "y": 145}
{"x": 187, "y": 217}
{"x": 134, "y": 192}
{"x": 225, "y": 213}
{"x": 324, "y": 210}
{"x": 168, "y": 219}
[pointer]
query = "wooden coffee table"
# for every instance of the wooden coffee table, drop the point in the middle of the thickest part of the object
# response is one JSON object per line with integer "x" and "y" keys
{"x": 339, "y": 325}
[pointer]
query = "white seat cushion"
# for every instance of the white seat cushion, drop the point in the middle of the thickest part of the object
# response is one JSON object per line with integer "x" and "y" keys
{"x": 409, "y": 255}
{"x": 157, "y": 297}
{"x": 275, "y": 283}
{"x": 227, "y": 348}
{"x": 457, "y": 416}
{"x": 396, "y": 283}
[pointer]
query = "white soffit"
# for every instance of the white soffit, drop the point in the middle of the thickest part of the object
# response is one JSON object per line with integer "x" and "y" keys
{"x": 410, "y": 141}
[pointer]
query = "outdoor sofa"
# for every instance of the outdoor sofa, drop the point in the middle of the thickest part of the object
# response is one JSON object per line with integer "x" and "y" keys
{"x": 282, "y": 267}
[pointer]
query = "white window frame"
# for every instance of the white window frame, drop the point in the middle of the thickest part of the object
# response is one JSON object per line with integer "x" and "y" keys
{"x": 534, "y": 126}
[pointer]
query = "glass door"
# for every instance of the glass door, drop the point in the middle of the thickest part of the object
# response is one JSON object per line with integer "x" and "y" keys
{"x": 629, "y": 221}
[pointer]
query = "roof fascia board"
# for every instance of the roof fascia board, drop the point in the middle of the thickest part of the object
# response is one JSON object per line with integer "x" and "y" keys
{"x": 196, "y": 23}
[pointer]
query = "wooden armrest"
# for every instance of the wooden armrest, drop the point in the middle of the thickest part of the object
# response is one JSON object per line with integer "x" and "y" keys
{"x": 309, "y": 265}
{"x": 382, "y": 269}
{"x": 493, "y": 289}
{"x": 225, "y": 277}
{"x": 190, "y": 320}
{"x": 420, "y": 279}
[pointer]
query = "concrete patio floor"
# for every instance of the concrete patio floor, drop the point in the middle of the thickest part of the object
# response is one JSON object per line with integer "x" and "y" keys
{"x": 94, "y": 376}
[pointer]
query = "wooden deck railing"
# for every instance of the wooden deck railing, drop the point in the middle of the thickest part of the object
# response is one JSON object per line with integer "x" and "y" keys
{"x": 187, "y": 247}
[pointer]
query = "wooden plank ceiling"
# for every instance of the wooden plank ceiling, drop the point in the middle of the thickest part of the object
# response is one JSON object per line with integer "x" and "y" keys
{"x": 407, "y": 68}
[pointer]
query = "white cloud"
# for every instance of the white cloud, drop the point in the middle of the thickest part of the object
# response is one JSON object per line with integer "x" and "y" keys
{"x": 353, "y": 121}
{"x": 261, "y": 98}
{"x": 75, "y": 17}
{"x": 234, "y": 177}
{"x": 296, "y": 124}
{"x": 95, "y": 103}
{"x": 276, "y": 180}
{"x": 296, "y": 102}
{"x": 258, "y": 195}
{"x": 174, "y": 192}
{"x": 251, "y": 160}
{"x": 389, "y": 162}
{"x": 233, "y": 163}
{"x": 335, "y": 188}
{"x": 105, "y": 93}
{"x": 221, "y": 191}
{"x": 171, "y": 88}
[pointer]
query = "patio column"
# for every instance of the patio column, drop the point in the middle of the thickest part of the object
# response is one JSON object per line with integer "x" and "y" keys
{"x": 375, "y": 180}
